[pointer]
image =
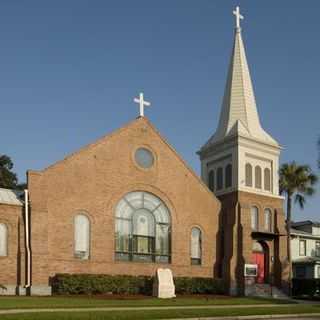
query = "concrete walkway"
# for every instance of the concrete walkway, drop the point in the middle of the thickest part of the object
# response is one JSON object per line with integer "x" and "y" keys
{"x": 36, "y": 310}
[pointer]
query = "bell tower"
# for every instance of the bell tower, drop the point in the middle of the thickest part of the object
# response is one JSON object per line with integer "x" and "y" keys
{"x": 239, "y": 164}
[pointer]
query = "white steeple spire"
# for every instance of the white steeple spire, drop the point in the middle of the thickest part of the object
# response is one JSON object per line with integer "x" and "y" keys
{"x": 239, "y": 114}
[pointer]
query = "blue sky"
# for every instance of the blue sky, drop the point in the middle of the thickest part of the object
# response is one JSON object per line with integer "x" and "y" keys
{"x": 70, "y": 69}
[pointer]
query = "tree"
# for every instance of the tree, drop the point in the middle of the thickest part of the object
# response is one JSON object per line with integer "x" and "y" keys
{"x": 296, "y": 182}
{"x": 8, "y": 179}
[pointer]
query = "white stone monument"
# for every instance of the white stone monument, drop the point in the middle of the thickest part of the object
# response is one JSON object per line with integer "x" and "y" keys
{"x": 163, "y": 286}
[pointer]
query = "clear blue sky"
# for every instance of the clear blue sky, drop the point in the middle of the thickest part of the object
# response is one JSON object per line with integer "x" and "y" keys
{"x": 70, "y": 69}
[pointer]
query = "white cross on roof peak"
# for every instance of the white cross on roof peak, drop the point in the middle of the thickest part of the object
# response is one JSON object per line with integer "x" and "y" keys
{"x": 238, "y": 17}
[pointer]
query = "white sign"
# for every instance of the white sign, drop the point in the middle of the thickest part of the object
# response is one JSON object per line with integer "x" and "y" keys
{"x": 250, "y": 270}
{"x": 164, "y": 286}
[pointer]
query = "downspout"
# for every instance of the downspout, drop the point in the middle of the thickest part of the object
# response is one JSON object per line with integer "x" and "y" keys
{"x": 27, "y": 232}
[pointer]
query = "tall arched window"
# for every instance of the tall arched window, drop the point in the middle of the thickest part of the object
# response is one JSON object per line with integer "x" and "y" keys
{"x": 81, "y": 236}
{"x": 268, "y": 220}
{"x": 219, "y": 178}
{"x": 248, "y": 175}
{"x": 143, "y": 226}
{"x": 258, "y": 177}
{"x": 267, "y": 179}
{"x": 211, "y": 180}
{"x": 254, "y": 218}
{"x": 196, "y": 249}
{"x": 3, "y": 240}
{"x": 228, "y": 175}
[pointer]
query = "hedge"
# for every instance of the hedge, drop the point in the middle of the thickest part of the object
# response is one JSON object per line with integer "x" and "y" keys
{"x": 123, "y": 284}
{"x": 306, "y": 287}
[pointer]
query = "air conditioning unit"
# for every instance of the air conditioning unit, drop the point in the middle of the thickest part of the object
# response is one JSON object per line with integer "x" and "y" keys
{"x": 250, "y": 270}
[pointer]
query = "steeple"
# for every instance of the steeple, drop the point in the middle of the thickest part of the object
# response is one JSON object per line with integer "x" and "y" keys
{"x": 239, "y": 115}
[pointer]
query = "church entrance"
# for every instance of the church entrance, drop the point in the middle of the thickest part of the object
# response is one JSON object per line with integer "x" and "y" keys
{"x": 260, "y": 258}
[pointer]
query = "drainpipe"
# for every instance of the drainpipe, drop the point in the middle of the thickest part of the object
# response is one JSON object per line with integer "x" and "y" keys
{"x": 27, "y": 232}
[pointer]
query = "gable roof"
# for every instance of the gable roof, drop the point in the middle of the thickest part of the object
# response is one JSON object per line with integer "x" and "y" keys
{"x": 128, "y": 125}
{"x": 12, "y": 197}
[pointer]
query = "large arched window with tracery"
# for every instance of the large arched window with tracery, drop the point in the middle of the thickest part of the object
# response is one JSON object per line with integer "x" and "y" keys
{"x": 143, "y": 227}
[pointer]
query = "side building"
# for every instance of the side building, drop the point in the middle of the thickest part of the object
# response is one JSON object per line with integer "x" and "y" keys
{"x": 305, "y": 248}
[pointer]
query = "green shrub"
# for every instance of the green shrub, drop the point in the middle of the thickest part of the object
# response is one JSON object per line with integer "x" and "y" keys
{"x": 123, "y": 284}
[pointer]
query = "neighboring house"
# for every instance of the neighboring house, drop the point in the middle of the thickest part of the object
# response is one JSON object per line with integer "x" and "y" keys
{"x": 305, "y": 248}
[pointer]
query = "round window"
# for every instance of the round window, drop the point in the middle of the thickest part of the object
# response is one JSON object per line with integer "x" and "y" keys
{"x": 144, "y": 158}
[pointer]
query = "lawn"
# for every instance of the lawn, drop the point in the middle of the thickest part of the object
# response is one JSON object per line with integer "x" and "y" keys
{"x": 163, "y": 314}
{"x": 101, "y": 301}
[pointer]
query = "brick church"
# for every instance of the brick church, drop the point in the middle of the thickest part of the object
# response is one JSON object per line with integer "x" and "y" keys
{"x": 129, "y": 204}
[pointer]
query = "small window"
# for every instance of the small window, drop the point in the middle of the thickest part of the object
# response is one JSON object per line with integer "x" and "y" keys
{"x": 144, "y": 158}
{"x": 317, "y": 248}
{"x": 3, "y": 240}
{"x": 267, "y": 179}
{"x": 267, "y": 220}
{"x": 254, "y": 218}
{"x": 258, "y": 178}
{"x": 219, "y": 178}
{"x": 211, "y": 180}
{"x": 196, "y": 250}
{"x": 81, "y": 237}
{"x": 228, "y": 175}
{"x": 248, "y": 175}
{"x": 303, "y": 248}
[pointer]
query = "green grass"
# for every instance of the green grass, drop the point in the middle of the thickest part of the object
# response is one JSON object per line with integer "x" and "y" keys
{"x": 163, "y": 314}
{"x": 96, "y": 301}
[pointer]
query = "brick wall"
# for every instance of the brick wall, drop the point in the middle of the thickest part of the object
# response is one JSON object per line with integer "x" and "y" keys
{"x": 94, "y": 180}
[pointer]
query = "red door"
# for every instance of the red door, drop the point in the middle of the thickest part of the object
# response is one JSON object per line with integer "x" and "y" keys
{"x": 258, "y": 259}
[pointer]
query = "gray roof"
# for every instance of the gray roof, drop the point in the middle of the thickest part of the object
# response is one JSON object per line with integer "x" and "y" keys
{"x": 13, "y": 197}
{"x": 305, "y": 223}
{"x": 297, "y": 231}
{"x": 307, "y": 260}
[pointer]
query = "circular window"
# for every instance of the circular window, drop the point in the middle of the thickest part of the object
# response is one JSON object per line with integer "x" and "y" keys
{"x": 144, "y": 158}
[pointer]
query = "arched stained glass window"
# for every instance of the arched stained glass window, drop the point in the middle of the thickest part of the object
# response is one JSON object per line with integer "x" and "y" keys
{"x": 219, "y": 178}
{"x": 211, "y": 180}
{"x": 81, "y": 236}
{"x": 268, "y": 220}
{"x": 3, "y": 240}
{"x": 258, "y": 177}
{"x": 143, "y": 226}
{"x": 248, "y": 175}
{"x": 267, "y": 179}
{"x": 196, "y": 246}
{"x": 254, "y": 218}
{"x": 228, "y": 175}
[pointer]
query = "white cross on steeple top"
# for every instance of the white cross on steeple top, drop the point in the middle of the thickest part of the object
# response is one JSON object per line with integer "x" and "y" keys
{"x": 142, "y": 103}
{"x": 238, "y": 17}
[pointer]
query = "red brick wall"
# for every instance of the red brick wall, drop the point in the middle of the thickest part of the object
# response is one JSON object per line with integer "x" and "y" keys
{"x": 238, "y": 238}
{"x": 10, "y": 266}
{"x": 94, "y": 180}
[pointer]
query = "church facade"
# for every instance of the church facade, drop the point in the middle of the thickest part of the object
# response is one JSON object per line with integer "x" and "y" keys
{"x": 129, "y": 204}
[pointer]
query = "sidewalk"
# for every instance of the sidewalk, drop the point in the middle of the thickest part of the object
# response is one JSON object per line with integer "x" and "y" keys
{"x": 18, "y": 311}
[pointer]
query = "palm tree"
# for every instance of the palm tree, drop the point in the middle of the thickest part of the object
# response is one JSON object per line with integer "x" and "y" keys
{"x": 296, "y": 182}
